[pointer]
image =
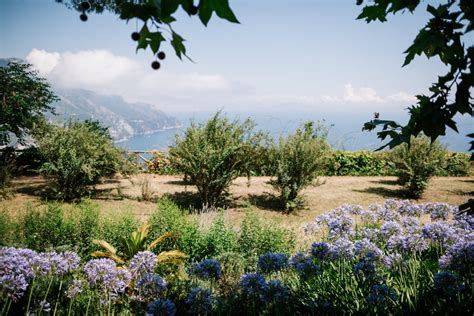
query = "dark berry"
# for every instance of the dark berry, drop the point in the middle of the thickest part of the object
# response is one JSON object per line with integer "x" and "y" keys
{"x": 135, "y": 36}
{"x": 161, "y": 55}
{"x": 155, "y": 65}
{"x": 194, "y": 10}
{"x": 83, "y": 17}
{"x": 85, "y": 5}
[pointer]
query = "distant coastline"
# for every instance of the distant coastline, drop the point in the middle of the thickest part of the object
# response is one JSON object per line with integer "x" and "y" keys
{"x": 155, "y": 131}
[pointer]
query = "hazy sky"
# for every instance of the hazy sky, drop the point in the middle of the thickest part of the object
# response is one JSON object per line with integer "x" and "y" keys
{"x": 298, "y": 55}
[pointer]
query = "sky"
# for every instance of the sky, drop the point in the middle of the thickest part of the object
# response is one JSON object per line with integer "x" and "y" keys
{"x": 308, "y": 56}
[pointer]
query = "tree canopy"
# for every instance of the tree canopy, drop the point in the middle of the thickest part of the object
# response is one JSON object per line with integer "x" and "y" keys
{"x": 444, "y": 36}
{"x": 24, "y": 98}
{"x": 157, "y": 17}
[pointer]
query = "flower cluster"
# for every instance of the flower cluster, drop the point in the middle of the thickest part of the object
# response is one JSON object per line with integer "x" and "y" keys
{"x": 253, "y": 285}
{"x": 272, "y": 262}
{"x": 395, "y": 227}
{"x": 143, "y": 262}
{"x": 161, "y": 307}
{"x": 304, "y": 265}
{"x": 19, "y": 266}
{"x": 381, "y": 295}
{"x": 104, "y": 275}
{"x": 206, "y": 269}
{"x": 148, "y": 287}
{"x": 200, "y": 301}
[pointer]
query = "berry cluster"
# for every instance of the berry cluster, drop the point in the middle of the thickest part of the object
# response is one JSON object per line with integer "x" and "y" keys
{"x": 161, "y": 55}
{"x": 84, "y": 6}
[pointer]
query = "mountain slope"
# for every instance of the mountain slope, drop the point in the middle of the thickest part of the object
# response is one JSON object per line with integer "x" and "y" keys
{"x": 123, "y": 119}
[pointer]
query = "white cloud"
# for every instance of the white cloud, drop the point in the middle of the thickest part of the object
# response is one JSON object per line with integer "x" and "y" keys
{"x": 360, "y": 95}
{"x": 402, "y": 97}
{"x": 103, "y": 72}
{"x": 43, "y": 61}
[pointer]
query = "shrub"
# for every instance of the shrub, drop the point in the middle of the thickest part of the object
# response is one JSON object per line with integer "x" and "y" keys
{"x": 256, "y": 238}
{"x": 298, "y": 159}
{"x": 160, "y": 164}
{"x": 7, "y": 168}
{"x": 46, "y": 227}
{"x": 358, "y": 163}
{"x": 417, "y": 163}
{"x": 7, "y": 228}
{"x": 188, "y": 238}
{"x": 457, "y": 164}
{"x": 76, "y": 156}
{"x": 220, "y": 238}
{"x": 54, "y": 226}
{"x": 213, "y": 154}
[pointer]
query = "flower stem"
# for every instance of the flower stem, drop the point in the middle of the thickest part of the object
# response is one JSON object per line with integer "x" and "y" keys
{"x": 46, "y": 294}
{"x": 88, "y": 304}
{"x": 57, "y": 298}
{"x": 29, "y": 296}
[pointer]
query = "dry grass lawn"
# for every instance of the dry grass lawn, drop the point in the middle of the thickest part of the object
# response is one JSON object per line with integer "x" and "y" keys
{"x": 124, "y": 195}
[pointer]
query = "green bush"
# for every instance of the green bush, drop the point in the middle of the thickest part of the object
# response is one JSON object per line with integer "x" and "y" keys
{"x": 457, "y": 165}
{"x": 358, "y": 163}
{"x": 220, "y": 238}
{"x": 46, "y": 227}
{"x": 8, "y": 230}
{"x": 257, "y": 238}
{"x": 298, "y": 159}
{"x": 116, "y": 227}
{"x": 417, "y": 163}
{"x": 160, "y": 163}
{"x": 7, "y": 168}
{"x": 76, "y": 156}
{"x": 213, "y": 154}
{"x": 169, "y": 217}
{"x": 53, "y": 226}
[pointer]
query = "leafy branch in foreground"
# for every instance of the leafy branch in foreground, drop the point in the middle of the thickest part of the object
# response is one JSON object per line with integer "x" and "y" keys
{"x": 445, "y": 36}
{"x": 157, "y": 17}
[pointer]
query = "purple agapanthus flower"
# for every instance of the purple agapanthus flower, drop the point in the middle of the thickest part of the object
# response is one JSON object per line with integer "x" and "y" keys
{"x": 272, "y": 262}
{"x": 148, "y": 287}
{"x": 364, "y": 246}
{"x": 253, "y": 285}
{"x": 201, "y": 301}
{"x": 304, "y": 265}
{"x": 143, "y": 262}
{"x": 320, "y": 250}
{"x": 458, "y": 257}
{"x": 447, "y": 282}
{"x": 441, "y": 233}
{"x": 106, "y": 276}
{"x": 206, "y": 269}
{"x": 161, "y": 307}
{"x": 389, "y": 229}
{"x": 276, "y": 292}
{"x": 342, "y": 249}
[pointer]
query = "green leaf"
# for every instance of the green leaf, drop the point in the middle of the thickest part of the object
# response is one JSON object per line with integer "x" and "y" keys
{"x": 168, "y": 7}
{"x": 155, "y": 41}
{"x": 224, "y": 11}
{"x": 221, "y": 7}
{"x": 177, "y": 43}
{"x": 205, "y": 11}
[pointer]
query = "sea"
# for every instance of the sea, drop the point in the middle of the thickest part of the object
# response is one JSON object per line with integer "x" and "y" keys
{"x": 345, "y": 131}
